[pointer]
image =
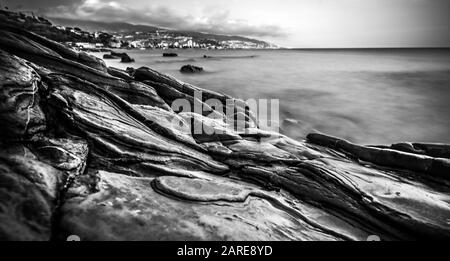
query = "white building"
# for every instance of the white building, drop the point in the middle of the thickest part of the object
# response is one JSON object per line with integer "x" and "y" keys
{"x": 114, "y": 44}
{"x": 85, "y": 45}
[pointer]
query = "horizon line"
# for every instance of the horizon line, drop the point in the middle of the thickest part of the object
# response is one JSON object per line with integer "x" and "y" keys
{"x": 362, "y": 48}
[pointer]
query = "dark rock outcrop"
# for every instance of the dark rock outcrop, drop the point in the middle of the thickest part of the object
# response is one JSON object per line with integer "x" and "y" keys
{"x": 28, "y": 190}
{"x": 120, "y": 74}
{"x": 191, "y": 69}
{"x": 99, "y": 153}
{"x": 395, "y": 156}
{"x": 109, "y": 56}
{"x": 124, "y": 57}
{"x": 170, "y": 55}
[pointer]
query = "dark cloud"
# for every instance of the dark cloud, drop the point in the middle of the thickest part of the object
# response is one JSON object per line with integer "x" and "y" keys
{"x": 38, "y": 5}
{"x": 162, "y": 16}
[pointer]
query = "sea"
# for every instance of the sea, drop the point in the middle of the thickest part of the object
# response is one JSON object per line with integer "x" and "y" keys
{"x": 367, "y": 96}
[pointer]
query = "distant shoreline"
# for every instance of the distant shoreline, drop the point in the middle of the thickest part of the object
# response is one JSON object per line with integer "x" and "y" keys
{"x": 282, "y": 49}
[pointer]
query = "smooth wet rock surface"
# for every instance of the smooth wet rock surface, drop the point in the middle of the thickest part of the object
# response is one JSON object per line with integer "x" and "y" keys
{"x": 99, "y": 153}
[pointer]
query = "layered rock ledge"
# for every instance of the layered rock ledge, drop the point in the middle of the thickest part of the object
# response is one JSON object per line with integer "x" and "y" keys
{"x": 93, "y": 151}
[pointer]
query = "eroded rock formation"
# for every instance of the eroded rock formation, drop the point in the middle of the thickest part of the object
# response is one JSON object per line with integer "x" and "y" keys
{"x": 191, "y": 69}
{"x": 98, "y": 152}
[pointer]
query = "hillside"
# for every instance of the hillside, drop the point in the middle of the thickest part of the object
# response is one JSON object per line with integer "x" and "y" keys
{"x": 93, "y": 26}
{"x": 127, "y": 28}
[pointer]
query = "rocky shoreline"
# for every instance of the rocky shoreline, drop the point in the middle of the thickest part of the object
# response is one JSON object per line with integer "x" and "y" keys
{"x": 93, "y": 151}
{"x": 124, "y": 57}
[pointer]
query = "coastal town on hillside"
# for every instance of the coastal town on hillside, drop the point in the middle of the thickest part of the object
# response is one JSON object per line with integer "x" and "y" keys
{"x": 158, "y": 39}
{"x": 161, "y": 39}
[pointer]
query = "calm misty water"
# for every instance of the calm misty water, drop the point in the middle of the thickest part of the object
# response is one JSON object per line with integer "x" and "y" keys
{"x": 366, "y": 96}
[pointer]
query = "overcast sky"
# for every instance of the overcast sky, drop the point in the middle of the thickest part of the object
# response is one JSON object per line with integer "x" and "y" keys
{"x": 289, "y": 23}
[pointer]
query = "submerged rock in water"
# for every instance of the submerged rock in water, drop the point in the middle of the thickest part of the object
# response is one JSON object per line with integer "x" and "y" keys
{"x": 99, "y": 153}
{"x": 170, "y": 55}
{"x": 191, "y": 69}
{"x": 124, "y": 57}
{"x": 109, "y": 56}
